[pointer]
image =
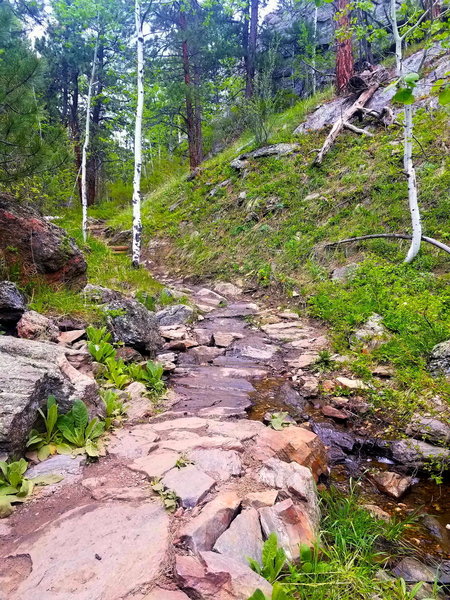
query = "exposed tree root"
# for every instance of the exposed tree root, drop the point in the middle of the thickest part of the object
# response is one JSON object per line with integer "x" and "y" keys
{"x": 401, "y": 236}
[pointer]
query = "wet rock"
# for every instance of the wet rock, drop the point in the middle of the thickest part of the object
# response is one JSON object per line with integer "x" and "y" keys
{"x": 351, "y": 384}
{"x": 339, "y": 443}
{"x": 414, "y": 453}
{"x": 261, "y": 499}
{"x": 216, "y": 577}
{"x": 392, "y": 484}
{"x": 429, "y": 428}
{"x": 12, "y": 303}
{"x": 219, "y": 464}
{"x": 372, "y": 333}
{"x": 344, "y": 273}
{"x": 201, "y": 532}
{"x": 334, "y": 413}
{"x": 33, "y": 326}
{"x": 63, "y": 562}
{"x": 440, "y": 359}
{"x": 33, "y": 245}
{"x": 292, "y": 444}
{"x": 129, "y": 321}
{"x": 71, "y": 336}
{"x": 412, "y": 571}
{"x": 177, "y": 314}
{"x": 156, "y": 464}
{"x": 436, "y": 529}
{"x": 228, "y": 289}
{"x": 296, "y": 480}
{"x": 29, "y": 372}
{"x": 243, "y": 539}
{"x": 377, "y": 512}
{"x": 291, "y": 525}
{"x": 190, "y": 484}
{"x": 163, "y": 594}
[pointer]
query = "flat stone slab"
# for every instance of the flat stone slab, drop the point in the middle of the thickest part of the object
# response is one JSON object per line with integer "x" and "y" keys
{"x": 190, "y": 423}
{"x": 190, "y": 484}
{"x": 155, "y": 464}
{"x": 201, "y": 532}
{"x": 131, "y": 443}
{"x": 243, "y": 539}
{"x": 219, "y": 464}
{"x": 84, "y": 555}
{"x": 162, "y": 594}
{"x": 205, "y": 443}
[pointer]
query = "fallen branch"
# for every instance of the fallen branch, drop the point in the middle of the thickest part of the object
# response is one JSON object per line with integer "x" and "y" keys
{"x": 359, "y": 130}
{"x": 401, "y": 236}
{"x": 343, "y": 120}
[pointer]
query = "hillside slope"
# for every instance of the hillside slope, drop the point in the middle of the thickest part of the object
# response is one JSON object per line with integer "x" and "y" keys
{"x": 268, "y": 224}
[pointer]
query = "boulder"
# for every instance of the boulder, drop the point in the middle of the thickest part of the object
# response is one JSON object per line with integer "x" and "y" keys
{"x": 29, "y": 372}
{"x": 415, "y": 454}
{"x": 201, "y": 532}
{"x": 243, "y": 539}
{"x": 12, "y": 303}
{"x": 178, "y": 314}
{"x": 392, "y": 484}
{"x": 85, "y": 555}
{"x": 33, "y": 245}
{"x": 412, "y": 571}
{"x": 128, "y": 320}
{"x": 430, "y": 428}
{"x": 33, "y": 326}
{"x": 216, "y": 577}
{"x": 291, "y": 525}
{"x": 228, "y": 289}
{"x": 440, "y": 359}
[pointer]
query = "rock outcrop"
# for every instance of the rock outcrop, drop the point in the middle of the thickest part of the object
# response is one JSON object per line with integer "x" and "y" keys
{"x": 128, "y": 320}
{"x": 12, "y": 304}
{"x": 440, "y": 359}
{"x": 30, "y": 371}
{"x": 34, "y": 246}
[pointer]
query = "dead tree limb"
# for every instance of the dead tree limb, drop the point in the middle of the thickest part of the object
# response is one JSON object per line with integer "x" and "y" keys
{"x": 345, "y": 118}
{"x": 401, "y": 236}
{"x": 359, "y": 130}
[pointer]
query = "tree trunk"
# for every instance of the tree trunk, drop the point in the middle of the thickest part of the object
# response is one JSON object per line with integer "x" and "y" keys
{"x": 84, "y": 193}
{"x": 193, "y": 106}
{"x": 344, "y": 51}
{"x": 94, "y": 160}
{"x": 251, "y": 53}
{"x": 137, "y": 224}
{"x": 314, "y": 56}
{"x": 74, "y": 127}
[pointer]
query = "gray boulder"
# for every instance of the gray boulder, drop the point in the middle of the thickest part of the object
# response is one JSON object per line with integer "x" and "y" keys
{"x": 178, "y": 314}
{"x": 440, "y": 359}
{"x": 430, "y": 428}
{"x": 12, "y": 303}
{"x": 31, "y": 371}
{"x": 415, "y": 454}
{"x": 412, "y": 571}
{"x": 128, "y": 320}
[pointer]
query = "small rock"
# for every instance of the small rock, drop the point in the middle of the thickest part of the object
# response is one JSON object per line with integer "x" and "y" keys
{"x": 344, "y": 273}
{"x": 69, "y": 337}
{"x": 412, "y": 571}
{"x": 190, "y": 485}
{"x": 201, "y": 532}
{"x": 60, "y": 464}
{"x": 228, "y": 289}
{"x": 392, "y": 484}
{"x": 203, "y": 355}
{"x": 429, "y": 428}
{"x": 173, "y": 332}
{"x": 208, "y": 300}
{"x": 377, "y": 512}
{"x": 12, "y": 303}
{"x": 180, "y": 345}
{"x": 383, "y": 371}
{"x": 303, "y": 361}
{"x": 309, "y": 385}
{"x": 33, "y": 326}
{"x": 261, "y": 499}
{"x": 334, "y": 413}
{"x": 239, "y": 164}
{"x": 351, "y": 384}
{"x": 203, "y": 336}
{"x": 291, "y": 525}
{"x": 243, "y": 539}
{"x": 223, "y": 339}
{"x": 177, "y": 314}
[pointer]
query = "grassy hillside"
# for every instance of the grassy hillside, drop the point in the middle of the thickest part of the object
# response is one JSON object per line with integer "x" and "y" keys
{"x": 270, "y": 225}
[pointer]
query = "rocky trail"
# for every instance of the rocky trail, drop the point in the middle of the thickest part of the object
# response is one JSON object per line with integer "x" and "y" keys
{"x": 105, "y": 533}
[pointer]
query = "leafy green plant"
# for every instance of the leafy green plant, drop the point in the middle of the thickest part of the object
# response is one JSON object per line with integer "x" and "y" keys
{"x": 168, "y": 497}
{"x": 183, "y": 461}
{"x": 278, "y": 421}
{"x": 278, "y": 593}
{"x": 79, "y": 431}
{"x": 324, "y": 361}
{"x": 149, "y": 374}
{"x": 98, "y": 334}
{"x": 98, "y": 343}
{"x": 117, "y": 373}
{"x": 273, "y": 560}
{"x": 48, "y": 442}
{"x": 14, "y": 487}
{"x": 115, "y": 409}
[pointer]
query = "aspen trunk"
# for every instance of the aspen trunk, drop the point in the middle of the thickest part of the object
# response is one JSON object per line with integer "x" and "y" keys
{"x": 84, "y": 191}
{"x": 137, "y": 224}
